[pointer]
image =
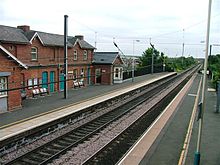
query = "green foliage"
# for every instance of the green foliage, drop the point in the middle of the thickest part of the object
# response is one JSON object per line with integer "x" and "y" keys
{"x": 177, "y": 64}
{"x": 181, "y": 63}
{"x": 214, "y": 67}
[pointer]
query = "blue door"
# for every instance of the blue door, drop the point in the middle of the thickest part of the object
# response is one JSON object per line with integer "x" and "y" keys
{"x": 52, "y": 76}
{"x": 88, "y": 75}
{"x": 61, "y": 82}
{"x": 45, "y": 79}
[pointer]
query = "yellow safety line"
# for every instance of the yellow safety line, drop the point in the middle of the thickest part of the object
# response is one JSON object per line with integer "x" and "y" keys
{"x": 190, "y": 127}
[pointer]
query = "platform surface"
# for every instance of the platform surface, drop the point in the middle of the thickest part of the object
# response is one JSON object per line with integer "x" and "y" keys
{"x": 167, "y": 148}
{"x": 39, "y": 111}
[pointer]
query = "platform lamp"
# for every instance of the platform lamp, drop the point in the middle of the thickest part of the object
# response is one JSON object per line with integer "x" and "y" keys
{"x": 152, "y": 59}
{"x": 202, "y": 104}
{"x": 65, "y": 55}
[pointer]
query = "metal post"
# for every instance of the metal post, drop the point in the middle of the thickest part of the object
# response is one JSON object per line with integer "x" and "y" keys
{"x": 183, "y": 47}
{"x": 65, "y": 56}
{"x": 133, "y": 60}
{"x": 152, "y": 59}
{"x": 210, "y": 50}
{"x": 218, "y": 97}
{"x": 132, "y": 69}
{"x": 197, "y": 153}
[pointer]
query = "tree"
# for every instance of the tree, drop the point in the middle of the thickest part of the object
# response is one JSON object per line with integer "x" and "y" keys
{"x": 214, "y": 67}
{"x": 146, "y": 58}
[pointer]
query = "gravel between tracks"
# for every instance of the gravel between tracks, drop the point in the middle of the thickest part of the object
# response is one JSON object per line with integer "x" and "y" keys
{"x": 14, "y": 153}
{"x": 85, "y": 150}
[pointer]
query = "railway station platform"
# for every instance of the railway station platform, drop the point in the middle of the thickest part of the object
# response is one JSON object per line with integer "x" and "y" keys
{"x": 36, "y": 112}
{"x": 164, "y": 142}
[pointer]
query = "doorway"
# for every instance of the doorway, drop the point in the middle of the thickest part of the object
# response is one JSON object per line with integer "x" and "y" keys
{"x": 98, "y": 76}
{"x": 52, "y": 77}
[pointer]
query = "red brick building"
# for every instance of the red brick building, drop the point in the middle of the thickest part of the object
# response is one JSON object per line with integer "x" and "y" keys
{"x": 35, "y": 59}
{"x": 10, "y": 77}
{"x": 108, "y": 68}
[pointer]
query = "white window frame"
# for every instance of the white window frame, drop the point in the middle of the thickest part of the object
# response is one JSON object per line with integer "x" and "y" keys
{"x": 3, "y": 86}
{"x": 82, "y": 73}
{"x": 85, "y": 55}
{"x": 75, "y": 56}
{"x": 34, "y": 54}
{"x": 30, "y": 83}
{"x": 35, "y": 80}
{"x": 118, "y": 72}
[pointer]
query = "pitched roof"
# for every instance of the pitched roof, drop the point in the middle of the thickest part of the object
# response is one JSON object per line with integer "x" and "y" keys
{"x": 12, "y": 35}
{"x": 16, "y": 35}
{"x": 85, "y": 45}
{"x": 47, "y": 39}
{"x": 13, "y": 57}
{"x": 82, "y": 43}
{"x": 105, "y": 57}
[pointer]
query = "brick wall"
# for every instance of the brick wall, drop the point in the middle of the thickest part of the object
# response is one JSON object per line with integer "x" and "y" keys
{"x": 106, "y": 74}
{"x": 14, "y": 80}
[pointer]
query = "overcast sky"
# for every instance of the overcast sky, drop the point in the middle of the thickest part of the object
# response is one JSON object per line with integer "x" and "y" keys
{"x": 130, "y": 23}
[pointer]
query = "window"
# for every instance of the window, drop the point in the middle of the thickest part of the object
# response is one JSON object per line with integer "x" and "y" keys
{"x": 85, "y": 55}
{"x": 82, "y": 73}
{"x": 116, "y": 72}
{"x": 30, "y": 83}
{"x": 75, "y": 55}
{"x": 3, "y": 85}
{"x": 35, "y": 82}
{"x": 33, "y": 53}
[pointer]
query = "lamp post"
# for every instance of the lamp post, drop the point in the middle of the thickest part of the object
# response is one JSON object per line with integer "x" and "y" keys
{"x": 202, "y": 104}
{"x": 133, "y": 60}
{"x": 65, "y": 55}
{"x": 152, "y": 59}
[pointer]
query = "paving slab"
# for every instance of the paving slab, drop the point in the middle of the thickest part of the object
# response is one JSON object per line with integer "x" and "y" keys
{"x": 167, "y": 148}
{"x": 41, "y": 105}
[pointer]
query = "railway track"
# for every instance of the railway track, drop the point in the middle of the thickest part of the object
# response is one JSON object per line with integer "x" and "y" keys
{"x": 59, "y": 146}
{"x": 114, "y": 150}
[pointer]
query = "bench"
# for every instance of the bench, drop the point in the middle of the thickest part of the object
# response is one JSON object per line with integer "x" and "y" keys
{"x": 78, "y": 84}
{"x": 75, "y": 84}
{"x": 81, "y": 83}
{"x": 40, "y": 91}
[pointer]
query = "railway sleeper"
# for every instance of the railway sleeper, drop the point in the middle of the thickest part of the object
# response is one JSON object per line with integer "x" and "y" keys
{"x": 80, "y": 134}
{"x": 91, "y": 127}
{"x": 51, "y": 150}
{"x": 20, "y": 163}
{"x": 63, "y": 143}
{"x": 68, "y": 139}
{"x": 45, "y": 154}
{"x": 88, "y": 130}
{"x": 36, "y": 157}
{"x": 75, "y": 137}
{"x": 29, "y": 161}
{"x": 99, "y": 123}
{"x": 56, "y": 145}
{"x": 84, "y": 131}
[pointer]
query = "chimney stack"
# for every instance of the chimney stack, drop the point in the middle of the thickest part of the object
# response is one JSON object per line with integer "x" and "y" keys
{"x": 80, "y": 37}
{"x": 25, "y": 28}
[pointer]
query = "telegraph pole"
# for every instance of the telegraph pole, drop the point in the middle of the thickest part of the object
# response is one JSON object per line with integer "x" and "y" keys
{"x": 65, "y": 56}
